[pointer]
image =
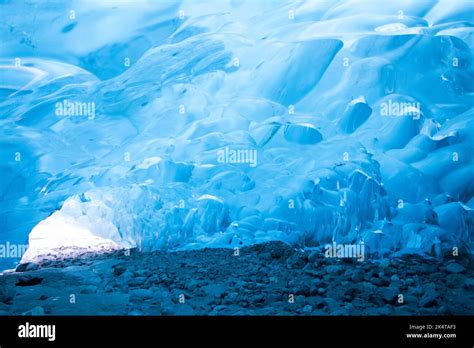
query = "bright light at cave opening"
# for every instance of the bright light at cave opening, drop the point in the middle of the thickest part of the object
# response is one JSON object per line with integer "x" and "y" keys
{"x": 67, "y": 235}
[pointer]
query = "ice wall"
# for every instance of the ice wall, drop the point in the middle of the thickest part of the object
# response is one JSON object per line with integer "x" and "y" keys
{"x": 227, "y": 123}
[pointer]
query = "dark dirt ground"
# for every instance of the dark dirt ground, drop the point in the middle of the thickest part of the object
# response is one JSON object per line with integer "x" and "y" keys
{"x": 265, "y": 279}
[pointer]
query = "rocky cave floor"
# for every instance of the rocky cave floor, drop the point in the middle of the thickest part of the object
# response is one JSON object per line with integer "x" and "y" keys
{"x": 265, "y": 279}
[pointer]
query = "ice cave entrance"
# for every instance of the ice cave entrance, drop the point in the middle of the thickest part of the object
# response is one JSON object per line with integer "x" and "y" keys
{"x": 77, "y": 228}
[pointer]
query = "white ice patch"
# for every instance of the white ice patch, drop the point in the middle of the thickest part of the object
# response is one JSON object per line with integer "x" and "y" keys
{"x": 391, "y": 28}
{"x": 76, "y": 228}
{"x": 148, "y": 162}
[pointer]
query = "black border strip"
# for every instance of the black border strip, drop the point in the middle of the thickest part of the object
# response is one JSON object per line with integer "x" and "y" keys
{"x": 105, "y": 330}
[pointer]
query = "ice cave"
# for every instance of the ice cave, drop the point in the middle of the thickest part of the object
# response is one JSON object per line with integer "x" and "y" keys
{"x": 181, "y": 126}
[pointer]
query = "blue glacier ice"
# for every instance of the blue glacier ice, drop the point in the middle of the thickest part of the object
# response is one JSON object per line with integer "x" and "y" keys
{"x": 183, "y": 124}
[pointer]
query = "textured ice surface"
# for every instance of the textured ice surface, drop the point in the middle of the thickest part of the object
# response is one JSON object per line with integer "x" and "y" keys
{"x": 164, "y": 124}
